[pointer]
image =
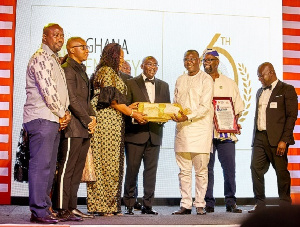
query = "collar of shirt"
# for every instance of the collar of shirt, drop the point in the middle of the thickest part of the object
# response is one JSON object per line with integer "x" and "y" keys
{"x": 273, "y": 85}
{"x": 72, "y": 62}
{"x": 48, "y": 50}
{"x": 144, "y": 77}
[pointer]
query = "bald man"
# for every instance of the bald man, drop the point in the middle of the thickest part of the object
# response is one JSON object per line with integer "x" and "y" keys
{"x": 142, "y": 141}
{"x": 75, "y": 140}
{"x": 275, "y": 117}
{"x": 45, "y": 115}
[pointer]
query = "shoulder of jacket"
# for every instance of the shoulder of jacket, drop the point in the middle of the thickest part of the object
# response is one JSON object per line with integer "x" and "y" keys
{"x": 161, "y": 81}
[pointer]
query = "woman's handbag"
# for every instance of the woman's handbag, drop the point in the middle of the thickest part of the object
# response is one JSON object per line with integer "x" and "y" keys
{"x": 88, "y": 173}
{"x": 22, "y": 158}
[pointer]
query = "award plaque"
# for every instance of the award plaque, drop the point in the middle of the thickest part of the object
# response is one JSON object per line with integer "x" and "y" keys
{"x": 224, "y": 115}
{"x": 160, "y": 112}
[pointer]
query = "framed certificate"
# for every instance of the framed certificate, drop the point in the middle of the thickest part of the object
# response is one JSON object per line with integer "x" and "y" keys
{"x": 224, "y": 115}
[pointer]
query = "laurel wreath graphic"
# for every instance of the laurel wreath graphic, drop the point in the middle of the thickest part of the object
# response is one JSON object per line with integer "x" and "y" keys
{"x": 247, "y": 90}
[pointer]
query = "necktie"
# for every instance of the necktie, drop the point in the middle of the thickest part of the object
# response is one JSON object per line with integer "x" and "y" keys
{"x": 148, "y": 80}
{"x": 267, "y": 87}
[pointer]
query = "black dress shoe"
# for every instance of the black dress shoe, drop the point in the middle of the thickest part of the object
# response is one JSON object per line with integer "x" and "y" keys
{"x": 129, "y": 211}
{"x": 44, "y": 220}
{"x": 148, "y": 210}
{"x": 209, "y": 209}
{"x": 182, "y": 210}
{"x": 66, "y": 215}
{"x": 256, "y": 208}
{"x": 78, "y": 213}
{"x": 233, "y": 209}
{"x": 137, "y": 206}
{"x": 200, "y": 210}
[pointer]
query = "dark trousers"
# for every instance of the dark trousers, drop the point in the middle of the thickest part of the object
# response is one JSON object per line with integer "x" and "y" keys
{"x": 226, "y": 156}
{"x": 72, "y": 156}
{"x": 43, "y": 146}
{"x": 262, "y": 155}
{"x": 136, "y": 191}
{"x": 149, "y": 153}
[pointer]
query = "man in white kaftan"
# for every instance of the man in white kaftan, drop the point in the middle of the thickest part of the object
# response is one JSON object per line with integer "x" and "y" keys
{"x": 194, "y": 131}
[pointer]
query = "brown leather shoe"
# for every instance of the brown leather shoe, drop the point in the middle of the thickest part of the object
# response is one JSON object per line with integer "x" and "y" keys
{"x": 78, "y": 213}
{"x": 44, "y": 220}
{"x": 65, "y": 215}
{"x": 200, "y": 210}
{"x": 182, "y": 211}
{"x": 233, "y": 209}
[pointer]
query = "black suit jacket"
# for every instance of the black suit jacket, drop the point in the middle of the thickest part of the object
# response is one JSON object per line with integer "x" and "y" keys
{"x": 125, "y": 77}
{"x": 79, "y": 93}
{"x": 137, "y": 92}
{"x": 281, "y": 120}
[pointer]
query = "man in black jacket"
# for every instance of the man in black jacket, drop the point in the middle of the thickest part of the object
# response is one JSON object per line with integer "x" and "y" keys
{"x": 143, "y": 142}
{"x": 275, "y": 117}
{"x": 75, "y": 140}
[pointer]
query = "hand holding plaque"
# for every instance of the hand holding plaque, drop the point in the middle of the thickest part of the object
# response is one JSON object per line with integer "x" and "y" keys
{"x": 224, "y": 115}
{"x": 160, "y": 112}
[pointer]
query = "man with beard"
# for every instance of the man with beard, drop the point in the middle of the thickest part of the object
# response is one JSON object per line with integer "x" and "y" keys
{"x": 45, "y": 115}
{"x": 193, "y": 90}
{"x": 75, "y": 140}
{"x": 224, "y": 143}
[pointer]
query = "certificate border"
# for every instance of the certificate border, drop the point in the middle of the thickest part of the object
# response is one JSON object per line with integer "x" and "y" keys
{"x": 235, "y": 125}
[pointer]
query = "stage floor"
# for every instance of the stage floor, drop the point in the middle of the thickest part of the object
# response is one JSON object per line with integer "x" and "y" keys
{"x": 16, "y": 215}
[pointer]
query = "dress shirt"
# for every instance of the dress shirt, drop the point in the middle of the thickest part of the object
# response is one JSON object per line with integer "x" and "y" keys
{"x": 150, "y": 89}
{"x": 46, "y": 88}
{"x": 262, "y": 106}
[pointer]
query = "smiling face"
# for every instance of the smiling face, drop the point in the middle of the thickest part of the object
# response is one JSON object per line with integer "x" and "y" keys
{"x": 53, "y": 37}
{"x": 191, "y": 62}
{"x": 149, "y": 67}
{"x": 210, "y": 64}
{"x": 78, "y": 49}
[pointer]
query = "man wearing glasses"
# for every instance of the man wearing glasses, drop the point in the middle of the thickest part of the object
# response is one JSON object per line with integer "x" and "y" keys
{"x": 224, "y": 143}
{"x": 193, "y": 90}
{"x": 142, "y": 141}
{"x": 75, "y": 139}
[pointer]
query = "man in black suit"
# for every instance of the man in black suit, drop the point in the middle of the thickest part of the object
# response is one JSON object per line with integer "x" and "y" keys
{"x": 143, "y": 141}
{"x": 276, "y": 113}
{"x": 125, "y": 74}
{"x": 75, "y": 140}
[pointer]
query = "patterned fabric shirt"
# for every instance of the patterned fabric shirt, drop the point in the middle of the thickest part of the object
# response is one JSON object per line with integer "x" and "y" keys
{"x": 46, "y": 88}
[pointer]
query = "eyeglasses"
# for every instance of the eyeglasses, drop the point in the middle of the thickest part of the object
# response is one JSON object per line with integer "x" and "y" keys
{"x": 151, "y": 65}
{"x": 209, "y": 60}
{"x": 189, "y": 59}
{"x": 262, "y": 75}
{"x": 83, "y": 47}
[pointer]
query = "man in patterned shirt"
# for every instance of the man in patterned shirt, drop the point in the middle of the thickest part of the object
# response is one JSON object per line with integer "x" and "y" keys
{"x": 45, "y": 115}
{"x": 223, "y": 143}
